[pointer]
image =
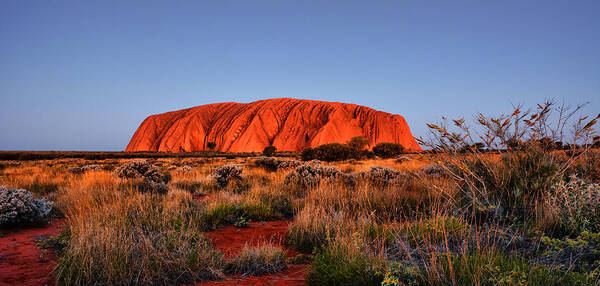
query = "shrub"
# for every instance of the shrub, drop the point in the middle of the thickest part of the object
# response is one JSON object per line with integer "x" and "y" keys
{"x": 211, "y": 145}
{"x": 403, "y": 159}
{"x": 84, "y": 168}
{"x": 273, "y": 164}
{"x": 576, "y": 205}
{"x": 310, "y": 174}
{"x": 269, "y": 163}
{"x": 269, "y": 150}
{"x": 388, "y": 150}
{"x": 144, "y": 177}
{"x": 381, "y": 176}
{"x": 308, "y": 154}
{"x": 17, "y": 206}
{"x": 142, "y": 169}
{"x": 333, "y": 152}
{"x": 224, "y": 174}
{"x": 580, "y": 254}
{"x": 264, "y": 259}
{"x": 433, "y": 170}
{"x": 346, "y": 261}
{"x": 288, "y": 164}
{"x": 186, "y": 169}
{"x": 328, "y": 152}
{"x": 358, "y": 143}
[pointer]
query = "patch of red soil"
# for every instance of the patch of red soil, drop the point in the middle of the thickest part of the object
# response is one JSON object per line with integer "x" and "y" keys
{"x": 293, "y": 276}
{"x": 230, "y": 240}
{"x": 21, "y": 261}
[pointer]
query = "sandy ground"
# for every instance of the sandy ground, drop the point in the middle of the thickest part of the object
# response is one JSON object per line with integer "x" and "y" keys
{"x": 21, "y": 261}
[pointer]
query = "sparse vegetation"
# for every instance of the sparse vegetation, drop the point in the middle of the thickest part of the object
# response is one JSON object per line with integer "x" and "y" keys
{"x": 19, "y": 207}
{"x": 269, "y": 151}
{"x": 225, "y": 174}
{"x": 264, "y": 259}
{"x": 388, "y": 150}
{"x": 511, "y": 208}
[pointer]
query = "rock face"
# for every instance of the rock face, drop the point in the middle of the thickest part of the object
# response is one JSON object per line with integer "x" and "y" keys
{"x": 288, "y": 124}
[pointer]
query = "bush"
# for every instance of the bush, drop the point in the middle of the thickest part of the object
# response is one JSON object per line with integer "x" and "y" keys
{"x": 265, "y": 259}
{"x": 403, "y": 159}
{"x": 308, "y": 154}
{"x": 211, "y": 145}
{"x": 580, "y": 254}
{"x": 273, "y": 164}
{"x": 17, "y": 206}
{"x": 576, "y": 205}
{"x": 269, "y": 151}
{"x": 310, "y": 174}
{"x": 388, "y": 150}
{"x": 328, "y": 152}
{"x": 142, "y": 169}
{"x": 144, "y": 176}
{"x": 224, "y": 174}
{"x": 381, "y": 176}
{"x": 433, "y": 170}
{"x": 84, "y": 168}
{"x": 346, "y": 261}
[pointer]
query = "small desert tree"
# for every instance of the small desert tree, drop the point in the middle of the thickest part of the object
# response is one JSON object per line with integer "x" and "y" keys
{"x": 358, "y": 143}
{"x": 388, "y": 150}
{"x": 211, "y": 145}
{"x": 269, "y": 150}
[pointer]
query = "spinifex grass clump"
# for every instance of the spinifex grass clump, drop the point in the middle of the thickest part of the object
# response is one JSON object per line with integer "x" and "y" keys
{"x": 259, "y": 260}
{"x": 18, "y": 207}
{"x": 514, "y": 187}
{"x": 130, "y": 238}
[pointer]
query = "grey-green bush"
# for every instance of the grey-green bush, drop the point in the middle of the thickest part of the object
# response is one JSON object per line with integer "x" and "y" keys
{"x": 224, "y": 174}
{"x": 17, "y": 206}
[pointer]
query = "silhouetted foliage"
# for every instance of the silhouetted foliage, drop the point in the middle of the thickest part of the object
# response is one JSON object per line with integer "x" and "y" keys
{"x": 269, "y": 150}
{"x": 211, "y": 145}
{"x": 388, "y": 150}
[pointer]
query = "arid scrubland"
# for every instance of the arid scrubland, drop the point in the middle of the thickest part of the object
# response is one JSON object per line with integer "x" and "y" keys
{"x": 462, "y": 215}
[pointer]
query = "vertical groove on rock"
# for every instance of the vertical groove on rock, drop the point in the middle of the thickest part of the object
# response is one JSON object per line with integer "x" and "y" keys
{"x": 288, "y": 124}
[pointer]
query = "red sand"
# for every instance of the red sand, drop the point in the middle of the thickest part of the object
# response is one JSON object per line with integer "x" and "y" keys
{"x": 230, "y": 240}
{"x": 21, "y": 261}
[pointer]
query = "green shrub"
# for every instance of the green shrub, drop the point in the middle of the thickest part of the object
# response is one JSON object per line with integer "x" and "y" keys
{"x": 434, "y": 230}
{"x": 308, "y": 154}
{"x": 580, "y": 254}
{"x": 346, "y": 262}
{"x": 388, "y": 150}
{"x": 333, "y": 152}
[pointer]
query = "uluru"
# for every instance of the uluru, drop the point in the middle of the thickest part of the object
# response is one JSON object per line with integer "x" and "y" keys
{"x": 286, "y": 123}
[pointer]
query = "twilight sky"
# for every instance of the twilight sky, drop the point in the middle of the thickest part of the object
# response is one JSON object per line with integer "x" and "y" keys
{"x": 82, "y": 75}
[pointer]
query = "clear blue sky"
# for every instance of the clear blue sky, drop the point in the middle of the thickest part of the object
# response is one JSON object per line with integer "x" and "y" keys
{"x": 82, "y": 75}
